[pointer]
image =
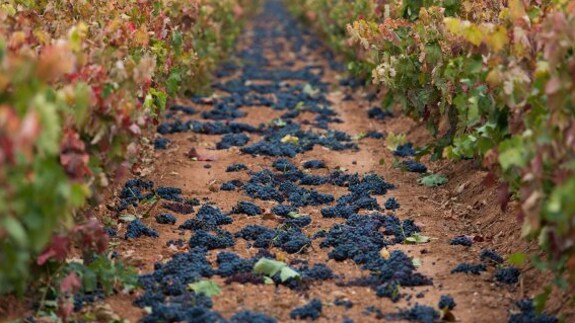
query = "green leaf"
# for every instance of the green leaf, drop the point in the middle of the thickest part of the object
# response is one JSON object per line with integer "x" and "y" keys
{"x": 392, "y": 141}
{"x": 294, "y": 215}
{"x": 151, "y": 200}
{"x": 16, "y": 230}
{"x": 89, "y": 280}
{"x": 540, "y": 300}
{"x": 270, "y": 267}
{"x": 517, "y": 259}
{"x": 287, "y": 273}
{"x": 417, "y": 238}
{"x": 416, "y": 262}
{"x": 78, "y": 194}
{"x": 205, "y": 287}
{"x": 158, "y": 99}
{"x": 511, "y": 153}
{"x": 308, "y": 89}
{"x": 173, "y": 83}
{"x": 432, "y": 180}
{"x": 359, "y": 136}
{"x": 127, "y": 217}
{"x": 279, "y": 122}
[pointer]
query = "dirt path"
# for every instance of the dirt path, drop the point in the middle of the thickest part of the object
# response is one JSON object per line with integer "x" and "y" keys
{"x": 345, "y": 237}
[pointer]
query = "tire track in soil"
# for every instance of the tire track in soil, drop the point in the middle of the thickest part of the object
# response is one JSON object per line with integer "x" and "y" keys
{"x": 277, "y": 60}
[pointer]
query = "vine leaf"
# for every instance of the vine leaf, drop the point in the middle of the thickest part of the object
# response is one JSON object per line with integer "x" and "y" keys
{"x": 432, "y": 180}
{"x": 57, "y": 249}
{"x": 205, "y": 287}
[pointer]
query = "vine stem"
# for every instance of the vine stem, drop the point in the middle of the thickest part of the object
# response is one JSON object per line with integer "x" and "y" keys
{"x": 44, "y": 294}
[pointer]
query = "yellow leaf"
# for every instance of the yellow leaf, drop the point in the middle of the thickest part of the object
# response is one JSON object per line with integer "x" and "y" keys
{"x": 453, "y": 25}
{"x": 282, "y": 256}
{"x": 542, "y": 69}
{"x": 384, "y": 253}
{"x": 141, "y": 36}
{"x": 517, "y": 10}
{"x": 290, "y": 139}
{"x": 497, "y": 39}
{"x": 494, "y": 78}
{"x": 474, "y": 34}
{"x": 8, "y": 9}
{"x": 42, "y": 37}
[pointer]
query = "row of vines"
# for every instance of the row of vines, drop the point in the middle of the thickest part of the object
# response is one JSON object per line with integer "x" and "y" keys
{"x": 79, "y": 82}
{"x": 492, "y": 79}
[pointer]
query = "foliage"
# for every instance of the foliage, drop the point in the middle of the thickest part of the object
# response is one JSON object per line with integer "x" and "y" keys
{"x": 395, "y": 140}
{"x": 270, "y": 268}
{"x": 79, "y": 80}
{"x": 77, "y": 281}
{"x": 416, "y": 238}
{"x": 206, "y": 287}
{"x": 499, "y": 74}
{"x": 432, "y": 180}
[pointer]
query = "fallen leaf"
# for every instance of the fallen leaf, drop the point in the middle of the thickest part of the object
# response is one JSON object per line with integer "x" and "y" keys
{"x": 195, "y": 155}
{"x": 127, "y": 217}
{"x": 384, "y": 253}
{"x": 282, "y": 256}
{"x": 270, "y": 267}
{"x": 393, "y": 141}
{"x": 205, "y": 287}
{"x": 417, "y": 238}
{"x": 290, "y": 139}
{"x": 105, "y": 313}
{"x": 287, "y": 273}
{"x": 416, "y": 262}
{"x": 517, "y": 259}
{"x": 295, "y": 215}
{"x": 433, "y": 180}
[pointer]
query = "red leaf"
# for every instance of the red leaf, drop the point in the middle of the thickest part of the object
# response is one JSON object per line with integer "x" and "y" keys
{"x": 193, "y": 153}
{"x": 92, "y": 235}
{"x": 73, "y": 156}
{"x": 57, "y": 249}
{"x": 131, "y": 26}
{"x": 70, "y": 283}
